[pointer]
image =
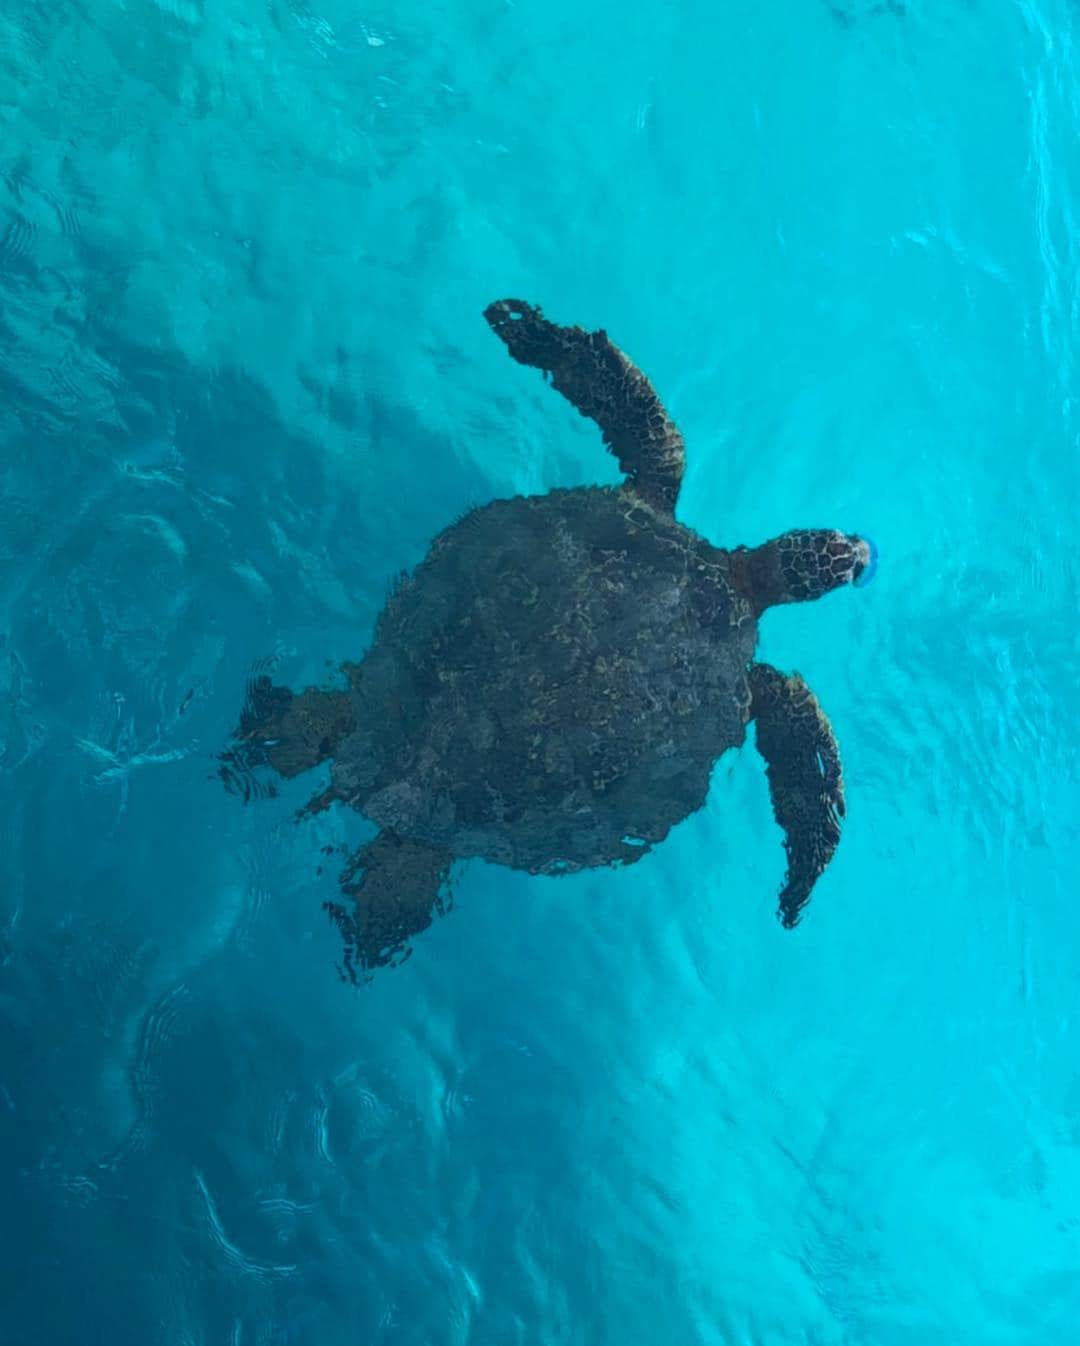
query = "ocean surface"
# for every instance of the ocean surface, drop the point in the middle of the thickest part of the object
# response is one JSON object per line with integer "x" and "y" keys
{"x": 244, "y": 251}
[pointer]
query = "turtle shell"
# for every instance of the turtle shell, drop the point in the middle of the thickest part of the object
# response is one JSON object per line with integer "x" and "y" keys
{"x": 551, "y": 687}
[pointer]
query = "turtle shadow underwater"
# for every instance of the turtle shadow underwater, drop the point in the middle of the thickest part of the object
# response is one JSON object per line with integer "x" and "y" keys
{"x": 550, "y": 688}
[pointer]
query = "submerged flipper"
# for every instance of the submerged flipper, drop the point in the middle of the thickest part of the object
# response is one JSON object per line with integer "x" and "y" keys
{"x": 290, "y": 733}
{"x": 397, "y": 887}
{"x": 605, "y": 386}
{"x": 805, "y": 779}
{"x": 394, "y": 886}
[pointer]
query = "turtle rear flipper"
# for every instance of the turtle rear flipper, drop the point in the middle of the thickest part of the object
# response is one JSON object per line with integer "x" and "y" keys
{"x": 288, "y": 732}
{"x": 805, "y": 779}
{"x": 606, "y": 386}
{"x": 397, "y": 887}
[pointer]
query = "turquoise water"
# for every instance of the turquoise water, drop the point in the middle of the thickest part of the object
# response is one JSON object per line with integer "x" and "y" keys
{"x": 244, "y": 250}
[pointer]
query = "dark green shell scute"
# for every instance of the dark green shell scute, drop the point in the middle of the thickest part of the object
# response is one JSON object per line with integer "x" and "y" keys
{"x": 552, "y": 686}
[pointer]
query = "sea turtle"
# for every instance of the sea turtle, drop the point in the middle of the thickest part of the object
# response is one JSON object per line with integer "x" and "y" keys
{"x": 550, "y": 688}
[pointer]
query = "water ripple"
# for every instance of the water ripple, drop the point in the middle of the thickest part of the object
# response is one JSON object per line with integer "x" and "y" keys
{"x": 230, "y": 1252}
{"x": 243, "y": 379}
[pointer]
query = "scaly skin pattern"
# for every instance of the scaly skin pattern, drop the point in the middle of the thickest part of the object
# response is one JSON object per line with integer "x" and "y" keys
{"x": 814, "y": 561}
{"x": 799, "y": 566}
{"x": 606, "y": 387}
{"x": 805, "y": 779}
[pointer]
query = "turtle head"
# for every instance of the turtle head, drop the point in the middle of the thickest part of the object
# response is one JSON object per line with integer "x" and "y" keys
{"x": 802, "y": 565}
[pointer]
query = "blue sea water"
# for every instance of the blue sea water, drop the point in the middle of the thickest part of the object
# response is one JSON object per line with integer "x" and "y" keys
{"x": 244, "y": 250}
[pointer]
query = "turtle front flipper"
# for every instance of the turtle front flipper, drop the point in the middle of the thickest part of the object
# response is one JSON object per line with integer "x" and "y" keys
{"x": 397, "y": 886}
{"x": 605, "y": 386}
{"x": 805, "y": 779}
